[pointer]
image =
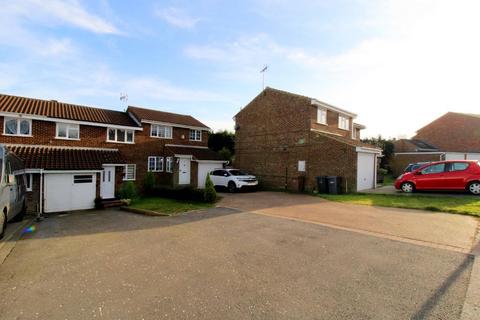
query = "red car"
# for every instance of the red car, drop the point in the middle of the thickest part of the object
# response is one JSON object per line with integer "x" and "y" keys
{"x": 442, "y": 175}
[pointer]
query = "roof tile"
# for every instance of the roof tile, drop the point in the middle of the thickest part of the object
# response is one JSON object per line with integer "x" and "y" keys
{"x": 168, "y": 117}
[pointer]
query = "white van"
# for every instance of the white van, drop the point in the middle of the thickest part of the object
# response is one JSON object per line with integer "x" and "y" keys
{"x": 12, "y": 189}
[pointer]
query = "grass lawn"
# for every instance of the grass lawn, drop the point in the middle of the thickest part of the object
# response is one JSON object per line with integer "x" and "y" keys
{"x": 169, "y": 206}
{"x": 461, "y": 205}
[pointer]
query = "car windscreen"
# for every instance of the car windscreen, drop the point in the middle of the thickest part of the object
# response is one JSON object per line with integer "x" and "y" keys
{"x": 238, "y": 173}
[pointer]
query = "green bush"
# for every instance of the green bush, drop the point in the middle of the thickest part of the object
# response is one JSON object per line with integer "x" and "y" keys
{"x": 128, "y": 190}
{"x": 225, "y": 154}
{"x": 209, "y": 193}
{"x": 149, "y": 183}
{"x": 185, "y": 193}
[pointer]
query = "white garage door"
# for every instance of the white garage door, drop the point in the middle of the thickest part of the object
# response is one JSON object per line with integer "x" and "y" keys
{"x": 203, "y": 169}
{"x": 67, "y": 191}
{"x": 365, "y": 171}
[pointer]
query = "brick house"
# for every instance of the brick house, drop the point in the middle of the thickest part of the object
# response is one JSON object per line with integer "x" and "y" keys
{"x": 453, "y": 136}
{"x": 74, "y": 154}
{"x": 288, "y": 140}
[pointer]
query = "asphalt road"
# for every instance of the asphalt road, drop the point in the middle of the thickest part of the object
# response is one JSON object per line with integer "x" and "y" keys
{"x": 223, "y": 264}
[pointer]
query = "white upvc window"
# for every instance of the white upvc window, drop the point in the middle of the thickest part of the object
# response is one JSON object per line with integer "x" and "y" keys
{"x": 343, "y": 122}
{"x": 17, "y": 127}
{"x": 129, "y": 172}
{"x": 321, "y": 115}
{"x": 155, "y": 164}
{"x": 29, "y": 181}
{"x": 68, "y": 131}
{"x": 195, "y": 135}
{"x": 169, "y": 164}
{"x": 159, "y": 131}
{"x": 120, "y": 135}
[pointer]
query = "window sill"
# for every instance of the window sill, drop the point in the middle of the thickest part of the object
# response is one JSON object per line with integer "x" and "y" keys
{"x": 61, "y": 138}
{"x": 18, "y": 135}
{"x": 128, "y": 179}
{"x": 195, "y": 140}
{"x": 343, "y": 129}
{"x": 166, "y": 138}
{"x": 119, "y": 142}
{"x": 322, "y": 123}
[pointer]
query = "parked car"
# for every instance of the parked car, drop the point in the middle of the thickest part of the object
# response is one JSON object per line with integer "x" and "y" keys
{"x": 442, "y": 175}
{"x": 414, "y": 166}
{"x": 12, "y": 189}
{"x": 233, "y": 179}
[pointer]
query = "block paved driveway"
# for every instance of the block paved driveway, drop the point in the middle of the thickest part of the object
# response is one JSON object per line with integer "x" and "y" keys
{"x": 225, "y": 264}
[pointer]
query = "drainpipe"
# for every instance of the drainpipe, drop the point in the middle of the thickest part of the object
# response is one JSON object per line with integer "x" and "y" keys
{"x": 40, "y": 211}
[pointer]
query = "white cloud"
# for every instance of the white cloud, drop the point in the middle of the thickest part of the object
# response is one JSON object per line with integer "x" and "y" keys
{"x": 54, "y": 12}
{"x": 177, "y": 17}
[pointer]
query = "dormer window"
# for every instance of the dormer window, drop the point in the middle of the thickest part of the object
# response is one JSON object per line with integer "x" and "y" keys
{"x": 68, "y": 131}
{"x": 17, "y": 127}
{"x": 343, "y": 122}
{"x": 321, "y": 115}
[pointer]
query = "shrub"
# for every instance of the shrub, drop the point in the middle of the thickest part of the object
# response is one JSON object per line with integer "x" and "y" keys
{"x": 382, "y": 171}
{"x": 187, "y": 193}
{"x": 225, "y": 154}
{"x": 209, "y": 193}
{"x": 128, "y": 190}
{"x": 149, "y": 183}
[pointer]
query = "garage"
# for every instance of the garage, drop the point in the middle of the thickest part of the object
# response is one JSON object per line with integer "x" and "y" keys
{"x": 366, "y": 170}
{"x": 204, "y": 167}
{"x": 69, "y": 191}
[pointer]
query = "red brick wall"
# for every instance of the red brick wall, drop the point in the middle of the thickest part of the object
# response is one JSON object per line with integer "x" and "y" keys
{"x": 273, "y": 134}
{"x": 453, "y": 132}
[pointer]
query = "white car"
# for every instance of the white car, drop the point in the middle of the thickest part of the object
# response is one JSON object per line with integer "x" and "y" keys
{"x": 233, "y": 179}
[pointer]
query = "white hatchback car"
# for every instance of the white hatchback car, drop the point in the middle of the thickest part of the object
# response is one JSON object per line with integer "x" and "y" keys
{"x": 233, "y": 179}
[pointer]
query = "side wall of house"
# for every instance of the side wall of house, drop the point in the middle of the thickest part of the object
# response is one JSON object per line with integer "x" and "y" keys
{"x": 269, "y": 129}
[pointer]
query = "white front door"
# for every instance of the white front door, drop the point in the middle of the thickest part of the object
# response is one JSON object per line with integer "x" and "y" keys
{"x": 107, "y": 183}
{"x": 184, "y": 171}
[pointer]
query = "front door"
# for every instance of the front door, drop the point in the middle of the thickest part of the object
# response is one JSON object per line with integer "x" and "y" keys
{"x": 184, "y": 171}
{"x": 107, "y": 183}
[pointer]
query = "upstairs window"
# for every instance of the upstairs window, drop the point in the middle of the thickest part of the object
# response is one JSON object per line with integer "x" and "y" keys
{"x": 17, "y": 127}
{"x": 343, "y": 123}
{"x": 68, "y": 131}
{"x": 155, "y": 164}
{"x": 120, "y": 135}
{"x": 195, "y": 135}
{"x": 321, "y": 115}
{"x": 160, "y": 131}
{"x": 129, "y": 172}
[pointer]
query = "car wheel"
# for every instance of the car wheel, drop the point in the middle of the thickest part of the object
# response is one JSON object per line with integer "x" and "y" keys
{"x": 407, "y": 187}
{"x": 232, "y": 187}
{"x": 3, "y": 224}
{"x": 474, "y": 188}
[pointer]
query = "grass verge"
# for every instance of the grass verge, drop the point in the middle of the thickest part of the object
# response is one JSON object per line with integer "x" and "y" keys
{"x": 467, "y": 205}
{"x": 169, "y": 206}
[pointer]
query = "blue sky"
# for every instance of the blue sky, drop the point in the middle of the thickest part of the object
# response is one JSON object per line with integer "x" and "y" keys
{"x": 397, "y": 64}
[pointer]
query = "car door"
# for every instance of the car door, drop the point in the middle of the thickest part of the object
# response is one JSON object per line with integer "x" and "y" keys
{"x": 431, "y": 177}
{"x": 455, "y": 175}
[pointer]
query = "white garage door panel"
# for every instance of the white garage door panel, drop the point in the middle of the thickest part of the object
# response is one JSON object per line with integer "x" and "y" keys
{"x": 365, "y": 171}
{"x": 203, "y": 169}
{"x": 454, "y": 156}
{"x": 63, "y": 193}
{"x": 473, "y": 156}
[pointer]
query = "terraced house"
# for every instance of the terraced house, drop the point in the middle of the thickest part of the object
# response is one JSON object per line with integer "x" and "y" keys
{"x": 287, "y": 140}
{"x": 74, "y": 154}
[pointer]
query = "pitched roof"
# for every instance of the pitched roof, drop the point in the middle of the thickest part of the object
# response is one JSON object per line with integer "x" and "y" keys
{"x": 298, "y": 96}
{"x": 351, "y": 142}
{"x": 422, "y": 145}
{"x": 61, "y": 110}
{"x": 167, "y": 117}
{"x": 196, "y": 153}
{"x": 58, "y": 158}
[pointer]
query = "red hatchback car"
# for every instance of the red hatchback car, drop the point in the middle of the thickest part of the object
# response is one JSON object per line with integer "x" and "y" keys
{"x": 442, "y": 175}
